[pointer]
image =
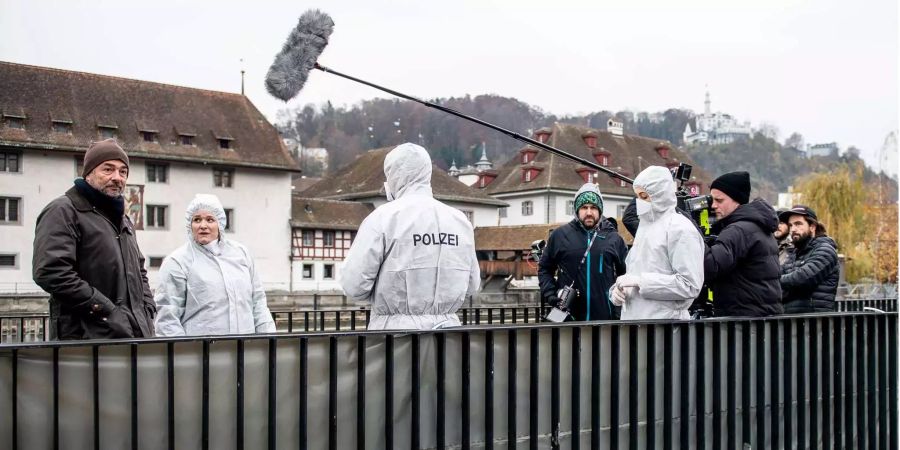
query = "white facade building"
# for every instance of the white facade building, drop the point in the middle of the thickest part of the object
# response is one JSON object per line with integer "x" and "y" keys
{"x": 221, "y": 145}
{"x": 827, "y": 149}
{"x": 716, "y": 128}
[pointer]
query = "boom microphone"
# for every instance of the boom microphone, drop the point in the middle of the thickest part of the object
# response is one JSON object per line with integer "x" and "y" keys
{"x": 291, "y": 68}
{"x": 289, "y": 72}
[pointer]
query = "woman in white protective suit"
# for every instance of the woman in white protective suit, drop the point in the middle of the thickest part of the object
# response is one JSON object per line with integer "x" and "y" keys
{"x": 665, "y": 264}
{"x": 413, "y": 258}
{"x": 210, "y": 284}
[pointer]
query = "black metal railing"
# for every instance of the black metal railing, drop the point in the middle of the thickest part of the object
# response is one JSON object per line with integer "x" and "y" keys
{"x": 825, "y": 380}
{"x": 32, "y": 327}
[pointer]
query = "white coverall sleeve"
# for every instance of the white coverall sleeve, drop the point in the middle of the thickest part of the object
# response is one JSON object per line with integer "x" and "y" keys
{"x": 364, "y": 260}
{"x": 475, "y": 276}
{"x": 262, "y": 318}
{"x": 685, "y": 252}
{"x": 170, "y": 297}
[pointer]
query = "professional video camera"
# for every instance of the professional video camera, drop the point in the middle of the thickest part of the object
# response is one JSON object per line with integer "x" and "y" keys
{"x": 700, "y": 209}
{"x": 560, "y": 312}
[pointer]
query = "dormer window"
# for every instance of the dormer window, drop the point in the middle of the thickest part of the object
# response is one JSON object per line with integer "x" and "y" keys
{"x": 587, "y": 174}
{"x": 590, "y": 139}
{"x": 543, "y": 135}
{"x": 530, "y": 173}
{"x": 602, "y": 157}
{"x": 14, "y": 122}
{"x": 61, "y": 126}
{"x": 107, "y": 131}
{"x": 224, "y": 139}
{"x": 150, "y": 136}
{"x": 186, "y": 139}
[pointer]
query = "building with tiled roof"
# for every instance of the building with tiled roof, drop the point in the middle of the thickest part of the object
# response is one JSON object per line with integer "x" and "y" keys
{"x": 321, "y": 234}
{"x": 540, "y": 186}
{"x": 180, "y": 141}
{"x": 363, "y": 181}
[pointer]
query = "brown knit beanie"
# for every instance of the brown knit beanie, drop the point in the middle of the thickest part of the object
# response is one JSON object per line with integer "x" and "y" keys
{"x": 100, "y": 152}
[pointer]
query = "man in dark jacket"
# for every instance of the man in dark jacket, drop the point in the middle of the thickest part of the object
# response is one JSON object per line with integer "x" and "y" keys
{"x": 809, "y": 278}
{"x": 782, "y": 236}
{"x": 741, "y": 265}
{"x": 86, "y": 255}
{"x": 589, "y": 251}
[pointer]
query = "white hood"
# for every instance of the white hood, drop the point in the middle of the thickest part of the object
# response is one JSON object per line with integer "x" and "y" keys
{"x": 658, "y": 183}
{"x": 407, "y": 169}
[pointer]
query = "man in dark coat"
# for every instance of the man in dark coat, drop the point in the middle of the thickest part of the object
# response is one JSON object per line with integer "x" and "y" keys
{"x": 809, "y": 278}
{"x": 87, "y": 257}
{"x": 567, "y": 258}
{"x": 782, "y": 236}
{"x": 741, "y": 265}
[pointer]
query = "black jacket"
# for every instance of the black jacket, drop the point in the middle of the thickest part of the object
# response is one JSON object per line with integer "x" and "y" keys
{"x": 83, "y": 259}
{"x": 604, "y": 263}
{"x": 809, "y": 278}
{"x": 741, "y": 267}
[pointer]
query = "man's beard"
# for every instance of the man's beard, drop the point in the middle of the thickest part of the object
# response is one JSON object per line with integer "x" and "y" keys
{"x": 584, "y": 224}
{"x": 801, "y": 240}
{"x": 780, "y": 236}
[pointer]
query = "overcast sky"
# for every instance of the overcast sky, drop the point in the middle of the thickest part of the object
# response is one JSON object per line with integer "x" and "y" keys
{"x": 826, "y": 68}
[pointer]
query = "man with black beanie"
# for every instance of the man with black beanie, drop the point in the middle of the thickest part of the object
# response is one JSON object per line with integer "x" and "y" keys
{"x": 86, "y": 255}
{"x": 741, "y": 264}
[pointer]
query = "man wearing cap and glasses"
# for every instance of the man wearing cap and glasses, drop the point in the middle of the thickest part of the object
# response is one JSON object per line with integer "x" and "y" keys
{"x": 809, "y": 278}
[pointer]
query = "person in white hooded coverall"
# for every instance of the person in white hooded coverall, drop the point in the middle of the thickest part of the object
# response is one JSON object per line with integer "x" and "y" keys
{"x": 413, "y": 258}
{"x": 210, "y": 284}
{"x": 665, "y": 264}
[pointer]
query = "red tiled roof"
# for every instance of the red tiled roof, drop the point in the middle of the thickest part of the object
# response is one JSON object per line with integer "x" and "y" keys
{"x": 364, "y": 178}
{"x": 328, "y": 214}
{"x": 561, "y": 173}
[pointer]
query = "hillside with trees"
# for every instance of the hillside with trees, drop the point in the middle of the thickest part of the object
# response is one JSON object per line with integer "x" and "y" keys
{"x": 349, "y": 131}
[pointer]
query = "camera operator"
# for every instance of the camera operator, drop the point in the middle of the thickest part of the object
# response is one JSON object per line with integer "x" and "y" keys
{"x": 741, "y": 264}
{"x": 665, "y": 272}
{"x": 587, "y": 254}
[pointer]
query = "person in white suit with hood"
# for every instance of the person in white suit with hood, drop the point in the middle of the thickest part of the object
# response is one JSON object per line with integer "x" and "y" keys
{"x": 665, "y": 264}
{"x": 210, "y": 284}
{"x": 413, "y": 258}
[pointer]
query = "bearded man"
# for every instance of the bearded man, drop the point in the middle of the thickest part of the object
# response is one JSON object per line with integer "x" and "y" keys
{"x": 587, "y": 254}
{"x": 809, "y": 278}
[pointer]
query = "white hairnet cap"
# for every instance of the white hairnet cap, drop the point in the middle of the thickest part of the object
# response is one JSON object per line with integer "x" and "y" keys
{"x": 209, "y": 203}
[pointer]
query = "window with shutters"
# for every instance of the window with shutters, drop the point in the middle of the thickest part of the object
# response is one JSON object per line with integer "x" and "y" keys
{"x": 223, "y": 178}
{"x": 156, "y": 216}
{"x": 527, "y": 208}
{"x": 157, "y": 173}
{"x": 10, "y": 210}
{"x": 9, "y": 261}
{"x": 10, "y": 162}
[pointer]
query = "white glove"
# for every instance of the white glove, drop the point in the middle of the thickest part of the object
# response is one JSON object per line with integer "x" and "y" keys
{"x": 632, "y": 281}
{"x": 618, "y": 296}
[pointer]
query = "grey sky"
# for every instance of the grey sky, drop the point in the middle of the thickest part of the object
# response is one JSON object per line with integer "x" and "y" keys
{"x": 827, "y": 68}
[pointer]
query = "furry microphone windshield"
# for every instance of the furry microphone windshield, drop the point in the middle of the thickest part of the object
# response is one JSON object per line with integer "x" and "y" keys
{"x": 299, "y": 54}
